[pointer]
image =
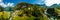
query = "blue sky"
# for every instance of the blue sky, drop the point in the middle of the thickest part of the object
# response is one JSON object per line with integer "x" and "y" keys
{"x": 29, "y": 1}
{"x": 6, "y": 3}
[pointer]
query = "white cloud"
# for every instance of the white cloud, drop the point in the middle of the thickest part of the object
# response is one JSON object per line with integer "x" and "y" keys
{"x": 5, "y": 5}
{"x": 2, "y": 4}
{"x": 0, "y": 0}
{"x": 10, "y": 4}
{"x": 39, "y": 1}
{"x": 51, "y": 2}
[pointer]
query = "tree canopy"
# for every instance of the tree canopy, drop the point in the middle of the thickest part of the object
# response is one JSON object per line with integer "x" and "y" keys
{"x": 1, "y": 9}
{"x": 31, "y": 10}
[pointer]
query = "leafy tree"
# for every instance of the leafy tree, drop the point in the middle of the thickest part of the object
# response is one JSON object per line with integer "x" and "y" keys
{"x": 1, "y": 9}
{"x": 36, "y": 12}
{"x": 52, "y": 13}
{"x": 21, "y": 5}
{"x": 31, "y": 10}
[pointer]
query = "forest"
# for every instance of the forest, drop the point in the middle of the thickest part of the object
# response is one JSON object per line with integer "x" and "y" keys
{"x": 27, "y": 11}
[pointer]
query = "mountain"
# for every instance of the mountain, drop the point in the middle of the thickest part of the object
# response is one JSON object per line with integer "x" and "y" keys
{"x": 8, "y": 9}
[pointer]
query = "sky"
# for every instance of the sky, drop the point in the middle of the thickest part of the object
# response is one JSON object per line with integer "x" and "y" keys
{"x": 29, "y": 1}
{"x": 6, "y": 3}
{"x": 14, "y": 2}
{"x": 51, "y": 2}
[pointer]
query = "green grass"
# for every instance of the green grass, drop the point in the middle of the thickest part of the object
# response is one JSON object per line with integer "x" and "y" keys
{"x": 7, "y": 14}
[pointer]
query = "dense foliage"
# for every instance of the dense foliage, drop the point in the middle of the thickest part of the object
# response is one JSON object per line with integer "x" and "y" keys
{"x": 27, "y": 11}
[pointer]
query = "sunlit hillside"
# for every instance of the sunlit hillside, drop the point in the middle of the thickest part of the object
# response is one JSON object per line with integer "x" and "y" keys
{"x": 27, "y": 11}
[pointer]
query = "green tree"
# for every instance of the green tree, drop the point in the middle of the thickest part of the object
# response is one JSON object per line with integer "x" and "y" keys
{"x": 2, "y": 10}
{"x": 31, "y": 10}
